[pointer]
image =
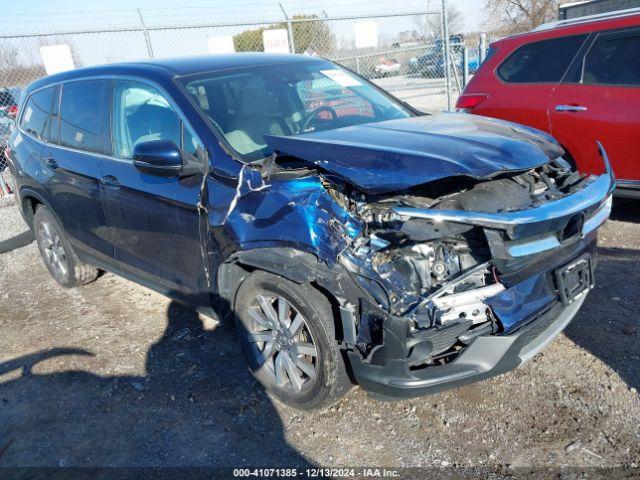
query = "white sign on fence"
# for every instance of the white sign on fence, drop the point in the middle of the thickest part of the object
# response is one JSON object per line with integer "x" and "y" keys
{"x": 222, "y": 44}
{"x": 366, "y": 34}
{"x": 276, "y": 41}
{"x": 56, "y": 58}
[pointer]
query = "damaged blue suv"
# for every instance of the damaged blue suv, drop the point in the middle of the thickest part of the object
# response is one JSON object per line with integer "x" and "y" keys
{"x": 354, "y": 240}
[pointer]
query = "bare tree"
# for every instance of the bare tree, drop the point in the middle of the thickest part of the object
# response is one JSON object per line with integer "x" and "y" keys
{"x": 515, "y": 16}
{"x": 8, "y": 57}
{"x": 456, "y": 19}
{"x": 433, "y": 25}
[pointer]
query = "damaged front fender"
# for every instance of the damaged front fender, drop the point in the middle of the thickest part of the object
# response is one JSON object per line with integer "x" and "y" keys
{"x": 417, "y": 276}
{"x": 288, "y": 212}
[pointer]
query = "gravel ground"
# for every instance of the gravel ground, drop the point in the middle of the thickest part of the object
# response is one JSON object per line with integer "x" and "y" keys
{"x": 113, "y": 374}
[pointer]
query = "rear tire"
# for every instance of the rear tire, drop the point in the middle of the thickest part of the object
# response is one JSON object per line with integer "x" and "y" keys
{"x": 288, "y": 337}
{"x": 57, "y": 253}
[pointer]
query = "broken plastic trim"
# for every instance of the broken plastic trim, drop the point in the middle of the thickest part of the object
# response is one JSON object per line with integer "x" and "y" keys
{"x": 535, "y": 220}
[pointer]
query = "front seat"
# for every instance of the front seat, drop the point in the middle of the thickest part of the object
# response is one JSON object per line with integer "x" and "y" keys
{"x": 246, "y": 129}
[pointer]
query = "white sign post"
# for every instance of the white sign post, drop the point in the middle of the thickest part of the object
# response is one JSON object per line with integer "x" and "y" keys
{"x": 276, "y": 41}
{"x": 366, "y": 34}
{"x": 222, "y": 44}
{"x": 56, "y": 58}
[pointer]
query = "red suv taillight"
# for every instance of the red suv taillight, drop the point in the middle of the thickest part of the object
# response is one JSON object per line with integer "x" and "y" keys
{"x": 470, "y": 101}
{"x": 12, "y": 112}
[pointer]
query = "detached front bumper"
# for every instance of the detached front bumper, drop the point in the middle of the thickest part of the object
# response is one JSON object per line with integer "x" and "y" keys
{"x": 486, "y": 357}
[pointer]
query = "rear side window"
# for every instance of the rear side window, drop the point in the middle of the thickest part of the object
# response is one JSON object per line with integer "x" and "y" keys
{"x": 36, "y": 120}
{"x": 84, "y": 116}
{"x": 541, "y": 62}
{"x": 613, "y": 61}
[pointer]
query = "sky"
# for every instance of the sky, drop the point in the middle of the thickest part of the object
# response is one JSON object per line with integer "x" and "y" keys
{"x": 41, "y": 15}
{"x": 121, "y": 37}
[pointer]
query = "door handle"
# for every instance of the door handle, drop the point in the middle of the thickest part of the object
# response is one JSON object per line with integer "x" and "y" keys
{"x": 51, "y": 163}
{"x": 570, "y": 108}
{"x": 110, "y": 181}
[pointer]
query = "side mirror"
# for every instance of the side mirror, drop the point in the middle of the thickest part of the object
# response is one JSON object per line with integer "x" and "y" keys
{"x": 158, "y": 157}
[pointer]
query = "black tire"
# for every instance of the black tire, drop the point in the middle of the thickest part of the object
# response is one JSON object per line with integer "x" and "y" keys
{"x": 51, "y": 236}
{"x": 330, "y": 378}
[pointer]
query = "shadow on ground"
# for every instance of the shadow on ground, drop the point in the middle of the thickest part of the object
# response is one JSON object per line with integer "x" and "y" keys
{"x": 197, "y": 405}
{"x": 626, "y": 210}
{"x": 21, "y": 240}
{"x": 609, "y": 325}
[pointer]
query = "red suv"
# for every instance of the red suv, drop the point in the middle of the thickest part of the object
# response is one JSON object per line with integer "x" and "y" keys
{"x": 578, "y": 80}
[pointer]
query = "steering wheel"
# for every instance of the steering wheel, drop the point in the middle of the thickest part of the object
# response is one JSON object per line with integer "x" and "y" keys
{"x": 314, "y": 113}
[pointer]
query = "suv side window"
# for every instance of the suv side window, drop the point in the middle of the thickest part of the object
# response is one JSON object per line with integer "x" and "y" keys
{"x": 140, "y": 114}
{"x": 84, "y": 116}
{"x": 613, "y": 61}
{"x": 35, "y": 120}
{"x": 541, "y": 62}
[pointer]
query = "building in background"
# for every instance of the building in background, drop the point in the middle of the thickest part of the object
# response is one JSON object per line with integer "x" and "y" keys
{"x": 593, "y": 7}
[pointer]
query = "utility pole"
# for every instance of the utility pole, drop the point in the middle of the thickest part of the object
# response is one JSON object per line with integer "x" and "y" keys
{"x": 465, "y": 66}
{"x": 292, "y": 45}
{"x": 447, "y": 53}
{"x": 482, "y": 48}
{"x": 145, "y": 32}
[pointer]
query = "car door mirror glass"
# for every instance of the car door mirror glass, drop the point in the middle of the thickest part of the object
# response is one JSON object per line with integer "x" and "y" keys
{"x": 158, "y": 157}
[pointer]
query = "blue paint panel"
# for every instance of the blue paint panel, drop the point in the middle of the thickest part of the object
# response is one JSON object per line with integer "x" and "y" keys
{"x": 297, "y": 212}
{"x": 397, "y": 154}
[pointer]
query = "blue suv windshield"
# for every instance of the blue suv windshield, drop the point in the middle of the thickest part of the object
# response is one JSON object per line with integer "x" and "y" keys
{"x": 246, "y": 104}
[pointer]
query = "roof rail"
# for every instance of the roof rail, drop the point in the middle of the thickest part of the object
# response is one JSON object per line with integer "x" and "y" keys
{"x": 588, "y": 18}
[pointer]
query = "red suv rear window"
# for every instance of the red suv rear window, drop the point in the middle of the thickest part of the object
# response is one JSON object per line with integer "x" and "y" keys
{"x": 541, "y": 62}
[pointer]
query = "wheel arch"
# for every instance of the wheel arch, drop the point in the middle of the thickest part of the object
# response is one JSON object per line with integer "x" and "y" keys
{"x": 294, "y": 265}
{"x": 29, "y": 201}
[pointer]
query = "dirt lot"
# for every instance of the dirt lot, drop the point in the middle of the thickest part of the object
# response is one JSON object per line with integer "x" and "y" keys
{"x": 113, "y": 374}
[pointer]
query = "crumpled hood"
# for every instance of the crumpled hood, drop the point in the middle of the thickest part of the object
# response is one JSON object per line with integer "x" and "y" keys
{"x": 398, "y": 154}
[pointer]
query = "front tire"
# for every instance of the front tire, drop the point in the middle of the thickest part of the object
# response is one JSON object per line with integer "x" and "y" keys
{"x": 57, "y": 253}
{"x": 288, "y": 337}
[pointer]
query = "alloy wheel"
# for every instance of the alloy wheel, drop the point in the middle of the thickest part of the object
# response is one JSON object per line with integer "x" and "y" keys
{"x": 54, "y": 251}
{"x": 281, "y": 343}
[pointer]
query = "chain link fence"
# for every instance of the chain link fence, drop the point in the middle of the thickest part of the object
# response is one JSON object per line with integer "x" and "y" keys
{"x": 405, "y": 53}
{"x": 6, "y": 183}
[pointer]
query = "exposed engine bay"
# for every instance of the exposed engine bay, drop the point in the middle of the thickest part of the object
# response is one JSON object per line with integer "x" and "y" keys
{"x": 451, "y": 248}
{"x": 438, "y": 274}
